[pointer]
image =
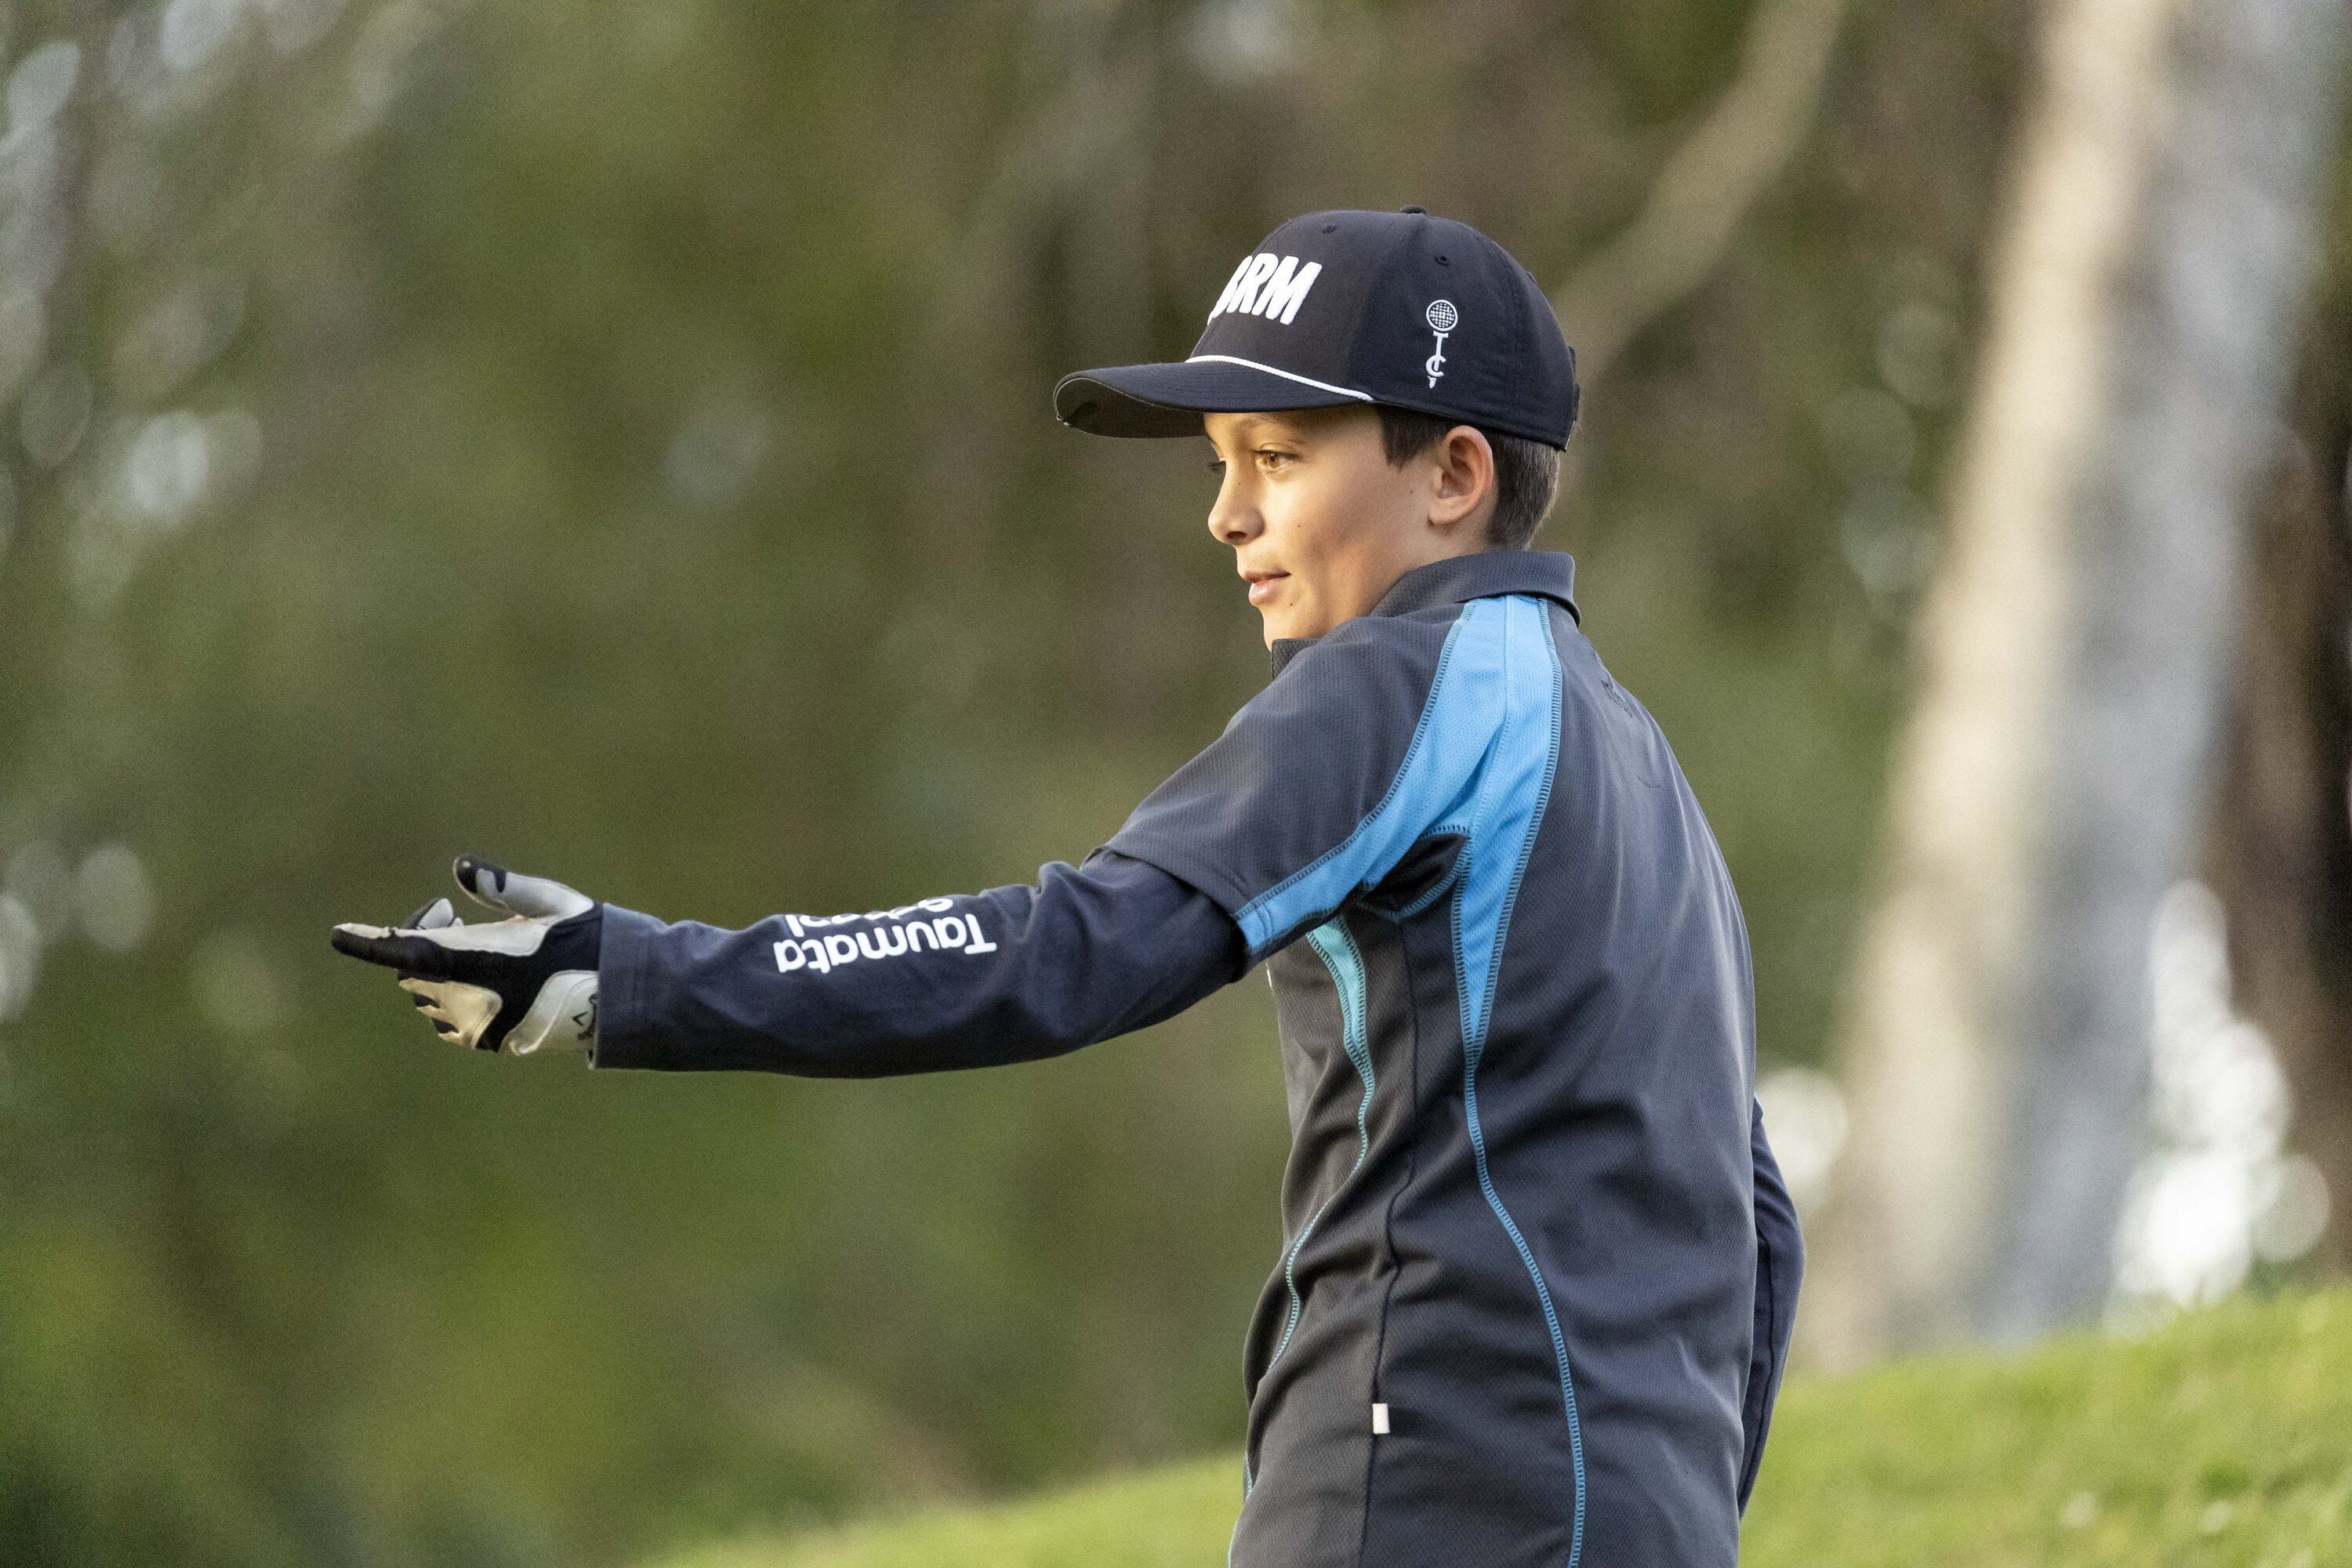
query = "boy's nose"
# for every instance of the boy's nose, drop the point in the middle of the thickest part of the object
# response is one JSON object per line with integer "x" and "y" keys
{"x": 1232, "y": 521}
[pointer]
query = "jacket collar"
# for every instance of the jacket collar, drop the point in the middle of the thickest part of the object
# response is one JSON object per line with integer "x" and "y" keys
{"x": 1544, "y": 573}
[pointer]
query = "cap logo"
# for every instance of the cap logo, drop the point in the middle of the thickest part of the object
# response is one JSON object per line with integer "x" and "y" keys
{"x": 1443, "y": 318}
{"x": 1270, "y": 286}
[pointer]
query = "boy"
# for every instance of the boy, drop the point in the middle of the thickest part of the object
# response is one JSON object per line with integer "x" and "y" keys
{"x": 1539, "y": 1267}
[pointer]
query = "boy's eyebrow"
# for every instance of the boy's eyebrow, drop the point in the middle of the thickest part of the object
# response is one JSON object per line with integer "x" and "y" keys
{"x": 1250, "y": 430}
{"x": 1258, "y": 427}
{"x": 1244, "y": 429}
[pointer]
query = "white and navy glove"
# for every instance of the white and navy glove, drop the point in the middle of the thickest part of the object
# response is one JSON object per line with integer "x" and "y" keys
{"x": 520, "y": 984}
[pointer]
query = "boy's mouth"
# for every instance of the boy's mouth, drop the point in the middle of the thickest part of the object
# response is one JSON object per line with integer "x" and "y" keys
{"x": 1264, "y": 587}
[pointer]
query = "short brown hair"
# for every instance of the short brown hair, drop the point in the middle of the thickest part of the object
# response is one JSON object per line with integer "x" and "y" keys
{"x": 1527, "y": 473}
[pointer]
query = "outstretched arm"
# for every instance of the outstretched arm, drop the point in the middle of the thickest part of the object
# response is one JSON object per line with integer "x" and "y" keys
{"x": 1779, "y": 1266}
{"x": 1007, "y": 975}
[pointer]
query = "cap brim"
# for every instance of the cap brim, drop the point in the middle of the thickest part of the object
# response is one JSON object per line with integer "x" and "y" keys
{"x": 1169, "y": 399}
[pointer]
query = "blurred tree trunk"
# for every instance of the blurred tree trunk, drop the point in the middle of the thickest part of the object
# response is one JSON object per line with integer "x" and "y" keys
{"x": 2283, "y": 838}
{"x": 2072, "y": 657}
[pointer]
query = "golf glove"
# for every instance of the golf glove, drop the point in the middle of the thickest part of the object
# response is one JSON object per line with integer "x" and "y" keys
{"x": 520, "y": 984}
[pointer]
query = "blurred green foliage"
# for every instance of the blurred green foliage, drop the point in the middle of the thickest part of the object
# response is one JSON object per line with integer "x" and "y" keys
{"x": 614, "y": 439}
{"x": 2216, "y": 1442}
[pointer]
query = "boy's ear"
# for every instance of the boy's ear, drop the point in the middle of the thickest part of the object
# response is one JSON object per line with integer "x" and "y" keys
{"x": 1464, "y": 483}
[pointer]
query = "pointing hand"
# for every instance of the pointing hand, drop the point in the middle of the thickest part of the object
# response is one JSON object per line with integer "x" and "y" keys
{"x": 523, "y": 984}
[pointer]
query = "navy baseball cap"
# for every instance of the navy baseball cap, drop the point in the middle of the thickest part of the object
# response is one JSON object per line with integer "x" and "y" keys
{"x": 1336, "y": 308}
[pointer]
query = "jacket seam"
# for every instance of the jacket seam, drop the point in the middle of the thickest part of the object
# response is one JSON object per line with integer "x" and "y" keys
{"x": 1362, "y": 1063}
{"x": 1388, "y": 1234}
{"x": 1472, "y": 1049}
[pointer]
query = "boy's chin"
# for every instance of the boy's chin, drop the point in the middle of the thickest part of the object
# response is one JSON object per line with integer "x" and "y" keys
{"x": 1290, "y": 625}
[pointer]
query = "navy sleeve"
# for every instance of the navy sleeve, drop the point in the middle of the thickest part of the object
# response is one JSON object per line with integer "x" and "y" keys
{"x": 1299, "y": 804}
{"x": 1779, "y": 1266}
{"x": 1007, "y": 975}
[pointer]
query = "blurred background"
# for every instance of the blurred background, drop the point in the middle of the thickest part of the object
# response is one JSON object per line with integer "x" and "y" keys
{"x": 614, "y": 439}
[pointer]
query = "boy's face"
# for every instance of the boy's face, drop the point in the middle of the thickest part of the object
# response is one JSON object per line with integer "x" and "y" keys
{"x": 1320, "y": 521}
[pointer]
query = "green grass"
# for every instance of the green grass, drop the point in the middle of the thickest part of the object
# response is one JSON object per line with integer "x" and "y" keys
{"x": 2225, "y": 1439}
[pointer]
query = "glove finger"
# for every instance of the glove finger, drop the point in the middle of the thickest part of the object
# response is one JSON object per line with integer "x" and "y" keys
{"x": 394, "y": 949}
{"x": 443, "y": 1025}
{"x": 535, "y": 897}
{"x": 431, "y": 915}
{"x": 422, "y": 993}
{"x": 459, "y": 1012}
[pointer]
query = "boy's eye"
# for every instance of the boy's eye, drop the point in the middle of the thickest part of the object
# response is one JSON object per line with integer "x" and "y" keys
{"x": 1266, "y": 458}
